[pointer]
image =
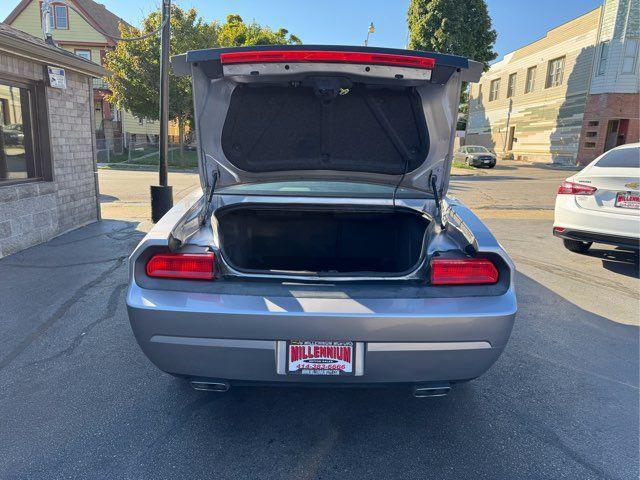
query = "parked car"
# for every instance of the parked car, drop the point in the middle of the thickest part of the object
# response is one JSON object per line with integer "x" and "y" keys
{"x": 12, "y": 134}
{"x": 323, "y": 249}
{"x": 476, "y": 156}
{"x": 601, "y": 203}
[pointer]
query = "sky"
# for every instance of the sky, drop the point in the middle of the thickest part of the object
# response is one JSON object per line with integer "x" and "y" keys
{"x": 345, "y": 22}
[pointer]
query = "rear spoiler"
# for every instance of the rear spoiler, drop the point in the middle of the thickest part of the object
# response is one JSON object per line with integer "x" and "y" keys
{"x": 211, "y": 60}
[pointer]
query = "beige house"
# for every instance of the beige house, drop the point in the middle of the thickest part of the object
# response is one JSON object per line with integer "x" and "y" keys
{"x": 82, "y": 35}
{"x": 530, "y": 104}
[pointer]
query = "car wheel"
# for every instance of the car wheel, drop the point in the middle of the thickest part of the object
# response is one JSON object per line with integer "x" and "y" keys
{"x": 577, "y": 246}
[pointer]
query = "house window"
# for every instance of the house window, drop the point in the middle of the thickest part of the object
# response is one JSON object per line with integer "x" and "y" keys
{"x": 629, "y": 55}
{"x": 604, "y": 56}
{"x": 592, "y": 134}
{"x": 531, "y": 80}
{"x": 86, "y": 54}
{"x": 494, "y": 89}
{"x": 59, "y": 16}
{"x": 555, "y": 70}
{"x": 589, "y": 144}
{"x": 62, "y": 16}
{"x": 511, "y": 85}
{"x": 593, "y": 123}
{"x": 21, "y": 155}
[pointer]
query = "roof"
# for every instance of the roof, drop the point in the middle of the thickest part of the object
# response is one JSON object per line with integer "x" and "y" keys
{"x": 95, "y": 13}
{"x": 104, "y": 18}
{"x": 20, "y": 43}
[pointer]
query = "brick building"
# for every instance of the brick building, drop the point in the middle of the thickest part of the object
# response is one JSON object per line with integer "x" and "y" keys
{"x": 48, "y": 180}
{"x": 613, "y": 103}
{"x": 559, "y": 98}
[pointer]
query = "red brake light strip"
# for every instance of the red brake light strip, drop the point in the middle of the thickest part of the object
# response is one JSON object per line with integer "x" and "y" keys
{"x": 283, "y": 56}
{"x": 187, "y": 266}
{"x": 463, "y": 271}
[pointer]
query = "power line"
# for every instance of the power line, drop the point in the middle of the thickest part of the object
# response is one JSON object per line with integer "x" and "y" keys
{"x": 46, "y": 5}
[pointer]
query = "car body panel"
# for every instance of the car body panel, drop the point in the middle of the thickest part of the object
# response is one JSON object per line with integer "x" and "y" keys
{"x": 235, "y": 327}
{"x": 214, "y": 84}
{"x": 596, "y": 217}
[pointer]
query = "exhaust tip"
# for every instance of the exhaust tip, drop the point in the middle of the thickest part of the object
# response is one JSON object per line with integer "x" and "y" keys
{"x": 209, "y": 386}
{"x": 431, "y": 391}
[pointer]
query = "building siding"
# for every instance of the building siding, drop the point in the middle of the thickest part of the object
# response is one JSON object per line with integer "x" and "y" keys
{"x": 80, "y": 35}
{"x": 547, "y": 121}
{"x": 614, "y": 96}
{"x": 79, "y": 29}
{"x": 34, "y": 212}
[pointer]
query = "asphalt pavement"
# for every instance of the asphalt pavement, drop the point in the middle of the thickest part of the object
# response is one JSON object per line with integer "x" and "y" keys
{"x": 78, "y": 399}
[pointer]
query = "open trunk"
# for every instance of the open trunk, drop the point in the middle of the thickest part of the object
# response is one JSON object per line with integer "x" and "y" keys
{"x": 371, "y": 241}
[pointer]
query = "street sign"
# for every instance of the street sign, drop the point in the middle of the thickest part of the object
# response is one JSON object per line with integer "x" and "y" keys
{"x": 57, "y": 77}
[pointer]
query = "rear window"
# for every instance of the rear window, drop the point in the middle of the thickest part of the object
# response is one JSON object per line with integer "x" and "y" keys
{"x": 622, "y": 158}
{"x": 360, "y": 129}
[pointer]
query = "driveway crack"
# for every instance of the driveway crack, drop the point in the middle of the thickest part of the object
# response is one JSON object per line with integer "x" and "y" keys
{"x": 59, "y": 313}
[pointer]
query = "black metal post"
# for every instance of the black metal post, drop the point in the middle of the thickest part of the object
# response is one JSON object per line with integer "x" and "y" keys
{"x": 162, "y": 195}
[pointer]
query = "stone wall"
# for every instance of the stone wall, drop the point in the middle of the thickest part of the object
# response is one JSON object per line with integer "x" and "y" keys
{"x": 34, "y": 212}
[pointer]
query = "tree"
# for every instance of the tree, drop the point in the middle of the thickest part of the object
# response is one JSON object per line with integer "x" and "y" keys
{"x": 452, "y": 26}
{"x": 134, "y": 67}
{"x": 457, "y": 27}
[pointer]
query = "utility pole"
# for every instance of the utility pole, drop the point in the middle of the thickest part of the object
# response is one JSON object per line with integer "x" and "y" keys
{"x": 162, "y": 194}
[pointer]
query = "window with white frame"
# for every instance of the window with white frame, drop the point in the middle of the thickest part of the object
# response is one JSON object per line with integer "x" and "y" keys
{"x": 86, "y": 54}
{"x": 531, "y": 79}
{"x": 630, "y": 55}
{"x": 511, "y": 85}
{"x": 555, "y": 71}
{"x": 604, "y": 56}
{"x": 494, "y": 89}
{"x": 62, "y": 16}
{"x": 59, "y": 17}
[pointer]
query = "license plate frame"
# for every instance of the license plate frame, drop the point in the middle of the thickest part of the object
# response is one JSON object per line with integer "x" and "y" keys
{"x": 320, "y": 358}
{"x": 630, "y": 204}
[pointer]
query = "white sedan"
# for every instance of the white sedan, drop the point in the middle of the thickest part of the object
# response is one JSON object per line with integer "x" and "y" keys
{"x": 601, "y": 203}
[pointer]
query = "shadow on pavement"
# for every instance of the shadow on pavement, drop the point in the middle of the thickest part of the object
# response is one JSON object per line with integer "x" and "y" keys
{"x": 107, "y": 198}
{"x": 80, "y": 400}
{"x": 624, "y": 262}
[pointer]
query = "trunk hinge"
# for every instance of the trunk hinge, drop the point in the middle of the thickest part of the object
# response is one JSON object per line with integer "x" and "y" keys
{"x": 438, "y": 199}
{"x": 210, "y": 190}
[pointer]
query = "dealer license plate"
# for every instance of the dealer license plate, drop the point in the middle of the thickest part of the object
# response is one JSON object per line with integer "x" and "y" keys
{"x": 628, "y": 200}
{"x": 320, "y": 358}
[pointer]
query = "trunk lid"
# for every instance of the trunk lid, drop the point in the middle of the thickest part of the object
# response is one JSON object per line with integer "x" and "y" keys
{"x": 278, "y": 113}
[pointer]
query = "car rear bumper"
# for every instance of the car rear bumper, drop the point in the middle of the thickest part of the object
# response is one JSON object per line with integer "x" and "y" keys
{"x": 242, "y": 338}
{"x": 595, "y": 226}
{"x": 583, "y": 236}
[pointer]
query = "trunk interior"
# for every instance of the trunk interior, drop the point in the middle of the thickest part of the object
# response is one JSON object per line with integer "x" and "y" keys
{"x": 323, "y": 240}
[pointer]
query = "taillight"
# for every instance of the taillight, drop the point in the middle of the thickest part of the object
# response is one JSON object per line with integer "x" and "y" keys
{"x": 188, "y": 266}
{"x": 570, "y": 188}
{"x": 282, "y": 56}
{"x": 463, "y": 271}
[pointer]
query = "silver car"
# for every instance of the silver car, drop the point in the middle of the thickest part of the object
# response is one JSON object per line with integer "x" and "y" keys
{"x": 476, "y": 156}
{"x": 322, "y": 249}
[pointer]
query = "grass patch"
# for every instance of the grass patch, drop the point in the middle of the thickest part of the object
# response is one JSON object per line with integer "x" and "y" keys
{"x": 463, "y": 165}
{"x": 190, "y": 159}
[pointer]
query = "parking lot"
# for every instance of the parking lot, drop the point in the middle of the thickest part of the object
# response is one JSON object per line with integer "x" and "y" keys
{"x": 78, "y": 399}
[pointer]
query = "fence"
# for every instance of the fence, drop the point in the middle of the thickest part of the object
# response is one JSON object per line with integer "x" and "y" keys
{"x": 143, "y": 153}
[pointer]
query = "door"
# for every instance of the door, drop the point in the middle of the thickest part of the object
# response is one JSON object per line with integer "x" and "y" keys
{"x": 612, "y": 135}
{"x": 512, "y": 132}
